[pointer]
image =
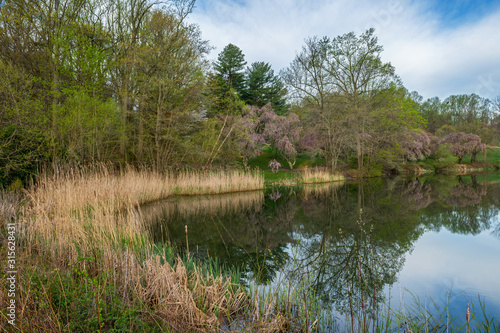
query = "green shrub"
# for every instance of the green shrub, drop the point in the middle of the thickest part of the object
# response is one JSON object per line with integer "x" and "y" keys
{"x": 442, "y": 159}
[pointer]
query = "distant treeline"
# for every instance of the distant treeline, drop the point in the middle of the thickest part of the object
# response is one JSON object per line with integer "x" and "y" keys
{"x": 120, "y": 81}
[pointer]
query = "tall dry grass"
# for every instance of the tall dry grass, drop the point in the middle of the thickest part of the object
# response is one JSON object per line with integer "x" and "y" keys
{"x": 67, "y": 189}
{"x": 319, "y": 175}
{"x": 76, "y": 214}
{"x": 9, "y": 204}
{"x": 97, "y": 205}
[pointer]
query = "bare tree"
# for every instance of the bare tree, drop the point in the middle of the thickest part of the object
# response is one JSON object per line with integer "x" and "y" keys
{"x": 347, "y": 67}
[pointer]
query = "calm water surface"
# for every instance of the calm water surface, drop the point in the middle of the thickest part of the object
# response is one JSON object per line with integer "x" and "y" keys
{"x": 434, "y": 239}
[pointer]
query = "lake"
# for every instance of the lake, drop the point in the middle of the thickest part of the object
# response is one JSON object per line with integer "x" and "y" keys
{"x": 430, "y": 244}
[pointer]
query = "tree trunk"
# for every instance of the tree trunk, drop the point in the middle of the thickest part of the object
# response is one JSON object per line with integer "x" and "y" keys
{"x": 140, "y": 143}
{"x": 55, "y": 88}
{"x": 157, "y": 131}
{"x": 359, "y": 152}
{"x": 291, "y": 163}
{"x": 123, "y": 134}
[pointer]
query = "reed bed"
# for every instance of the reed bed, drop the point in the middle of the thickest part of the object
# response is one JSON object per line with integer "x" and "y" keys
{"x": 65, "y": 190}
{"x": 98, "y": 206}
{"x": 319, "y": 175}
{"x": 9, "y": 204}
{"x": 84, "y": 225}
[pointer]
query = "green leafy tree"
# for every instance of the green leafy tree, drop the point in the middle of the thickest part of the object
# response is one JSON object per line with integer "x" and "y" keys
{"x": 357, "y": 72}
{"x": 23, "y": 144}
{"x": 344, "y": 81}
{"x": 170, "y": 84}
{"x": 471, "y": 113}
{"x": 432, "y": 111}
{"x": 220, "y": 98}
{"x": 395, "y": 136}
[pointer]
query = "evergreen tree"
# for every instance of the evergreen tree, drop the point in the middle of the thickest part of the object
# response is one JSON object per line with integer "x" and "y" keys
{"x": 262, "y": 87}
{"x": 230, "y": 65}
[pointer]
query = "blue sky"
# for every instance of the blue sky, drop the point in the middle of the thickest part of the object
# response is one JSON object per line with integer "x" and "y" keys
{"x": 439, "y": 48}
{"x": 452, "y": 14}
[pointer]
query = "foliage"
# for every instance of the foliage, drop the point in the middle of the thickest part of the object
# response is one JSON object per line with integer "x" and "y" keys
{"x": 356, "y": 99}
{"x": 462, "y": 144}
{"x": 282, "y": 132}
{"x": 171, "y": 82}
{"x": 21, "y": 153}
{"x": 24, "y": 144}
{"x": 416, "y": 145}
{"x": 230, "y": 66}
{"x": 461, "y": 113}
{"x": 397, "y": 131}
{"x": 442, "y": 158}
{"x": 262, "y": 87}
{"x": 115, "y": 81}
{"x": 221, "y": 98}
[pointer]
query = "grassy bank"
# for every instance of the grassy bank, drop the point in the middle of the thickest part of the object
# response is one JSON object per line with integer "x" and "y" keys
{"x": 85, "y": 263}
{"x": 301, "y": 176}
{"x": 304, "y": 162}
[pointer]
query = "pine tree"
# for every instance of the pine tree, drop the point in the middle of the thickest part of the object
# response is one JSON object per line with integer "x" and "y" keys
{"x": 230, "y": 66}
{"x": 262, "y": 87}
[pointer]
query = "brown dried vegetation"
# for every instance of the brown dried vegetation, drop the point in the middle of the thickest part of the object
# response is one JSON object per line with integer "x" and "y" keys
{"x": 85, "y": 225}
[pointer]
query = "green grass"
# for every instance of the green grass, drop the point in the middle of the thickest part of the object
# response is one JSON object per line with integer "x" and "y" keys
{"x": 492, "y": 156}
{"x": 262, "y": 161}
{"x": 79, "y": 298}
{"x": 281, "y": 176}
{"x": 285, "y": 175}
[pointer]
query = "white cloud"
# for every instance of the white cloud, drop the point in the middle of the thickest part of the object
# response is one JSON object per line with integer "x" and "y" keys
{"x": 431, "y": 58}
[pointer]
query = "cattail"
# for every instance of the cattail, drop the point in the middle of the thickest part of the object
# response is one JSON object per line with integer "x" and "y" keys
{"x": 187, "y": 242}
{"x": 467, "y": 317}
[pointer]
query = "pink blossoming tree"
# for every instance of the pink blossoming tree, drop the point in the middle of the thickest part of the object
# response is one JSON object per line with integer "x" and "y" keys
{"x": 462, "y": 144}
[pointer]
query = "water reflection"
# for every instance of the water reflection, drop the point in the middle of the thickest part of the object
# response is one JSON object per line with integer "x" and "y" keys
{"x": 350, "y": 240}
{"x": 241, "y": 230}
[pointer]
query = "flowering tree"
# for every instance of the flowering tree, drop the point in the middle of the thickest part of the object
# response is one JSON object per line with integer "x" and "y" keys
{"x": 475, "y": 146}
{"x": 463, "y": 144}
{"x": 275, "y": 165}
{"x": 282, "y": 132}
{"x": 416, "y": 145}
{"x": 249, "y": 142}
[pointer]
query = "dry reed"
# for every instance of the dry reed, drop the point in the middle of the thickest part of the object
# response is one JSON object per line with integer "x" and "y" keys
{"x": 9, "y": 203}
{"x": 317, "y": 175}
{"x": 81, "y": 213}
{"x": 76, "y": 188}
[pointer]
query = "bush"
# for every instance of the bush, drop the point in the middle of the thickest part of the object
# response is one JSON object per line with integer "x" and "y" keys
{"x": 21, "y": 151}
{"x": 442, "y": 158}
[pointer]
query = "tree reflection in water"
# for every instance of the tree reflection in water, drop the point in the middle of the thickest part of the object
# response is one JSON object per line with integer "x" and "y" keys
{"x": 348, "y": 241}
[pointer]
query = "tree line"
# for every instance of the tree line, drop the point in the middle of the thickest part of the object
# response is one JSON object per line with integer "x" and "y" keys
{"x": 128, "y": 81}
